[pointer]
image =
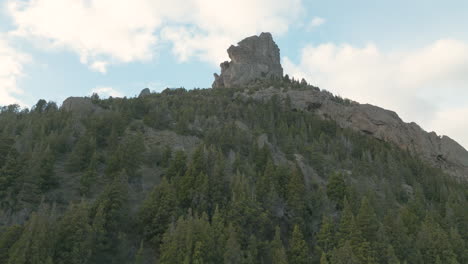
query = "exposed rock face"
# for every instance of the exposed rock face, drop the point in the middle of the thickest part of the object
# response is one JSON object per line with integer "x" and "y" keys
{"x": 145, "y": 92}
{"x": 438, "y": 151}
{"x": 81, "y": 105}
{"x": 256, "y": 57}
{"x": 78, "y": 104}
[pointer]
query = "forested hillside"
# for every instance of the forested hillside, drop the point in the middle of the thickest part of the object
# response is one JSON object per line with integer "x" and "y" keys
{"x": 208, "y": 176}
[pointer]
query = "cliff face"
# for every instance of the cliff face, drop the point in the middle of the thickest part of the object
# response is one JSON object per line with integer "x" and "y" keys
{"x": 439, "y": 151}
{"x": 256, "y": 57}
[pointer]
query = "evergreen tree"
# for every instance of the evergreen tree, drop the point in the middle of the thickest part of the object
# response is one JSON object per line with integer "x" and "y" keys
{"x": 433, "y": 243}
{"x": 109, "y": 216}
{"x": 458, "y": 245}
{"x": 177, "y": 166}
{"x": 326, "y": 236}
{"x": 298, "y": 252}
{"x": 167, "y": 156}
{"x": 90, "y": 176}
{"x": 45, "y": 171}
{"x": 157, "y": 212}
{"x": 252, "y": 251}
{"x": 336, "y": 189}
{"x": 139, "y": 255}
{"x": 390, "y": 256}
{"x": 346, "y": 223}
{"x": 74, "y": 237}
{"x": 296, "y": 194}
{"x": 278, "y": 254}
{"x": 344, "y": 255}
{"x": 265, "y": 181}
{"x": 82, "y": 153}
{"x": 219, "y": 237}
{"x": 366, "y": 221}
{"x": 10, "y": 173}
{"x": 35, "y": 245}
{"x": 7, "y": 240}
{"x": 323, "y": 259}
{"x": 233, "y": 253}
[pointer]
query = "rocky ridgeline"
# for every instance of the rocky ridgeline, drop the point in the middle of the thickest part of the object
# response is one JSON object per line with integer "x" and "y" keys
{"x": 256, "y": 57}
{"x": 439, "y": 151}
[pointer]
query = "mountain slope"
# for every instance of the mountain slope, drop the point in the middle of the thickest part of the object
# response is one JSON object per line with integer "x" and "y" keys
{"x": 209, "y": 175}
{"x": 439, "y": 151}
{"x": 262, "y": 169}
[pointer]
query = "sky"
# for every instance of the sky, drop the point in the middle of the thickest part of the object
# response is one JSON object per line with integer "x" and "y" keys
{"x": 407, "y": 56}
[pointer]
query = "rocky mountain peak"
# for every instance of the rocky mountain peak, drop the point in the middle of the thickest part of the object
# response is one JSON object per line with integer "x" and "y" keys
{"x": 255, "y": 57}
{"x": 145, "y": 92}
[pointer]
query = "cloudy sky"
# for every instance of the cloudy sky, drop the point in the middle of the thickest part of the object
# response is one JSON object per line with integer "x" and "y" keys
{"x": 407, "y": 56}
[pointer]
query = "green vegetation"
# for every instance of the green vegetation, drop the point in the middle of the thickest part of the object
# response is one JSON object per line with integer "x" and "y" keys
{"x": 207, "y": 176}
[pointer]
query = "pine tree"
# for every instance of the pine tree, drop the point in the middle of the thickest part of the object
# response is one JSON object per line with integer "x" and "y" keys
{"x": 36, "y": 242}
{"x": 139, "y": 255}
{"x": 10, "y": 173}
{"x": 252, "y": 251}
{"x": 336, "y": 189}
{"x": 296, "y": 194}
{"x": 458, "y": 245}
{"x": 433, "y": 243}
{"x": 157, "y": 212}
{"x": 167, "y": 157}
{"x": 7, "y": 240}
{"x": 82, "y": 153}
{"x": 109, "y": 215}
{"x": 346, "y": 223}
{"x": 344, "y": 255}
{"x": 278, "y": 252}
{"x": 74, "y": 237}
{"x": 177, "y": 165}
{"x": 390, "y": 256}
{"x": 219, "y": 238}
{"x": 323, "y": 258}
{"x": 265, "y": 182}
{"x": 45, "y": 171}
{"x": 198, "y": 254}
{"x": 233, "y": 253}
{"x": 298, "y": 252}
{"x": 90, "y": 175}
{"x": 326, "y": 236}
{"x": 366, "y": 220}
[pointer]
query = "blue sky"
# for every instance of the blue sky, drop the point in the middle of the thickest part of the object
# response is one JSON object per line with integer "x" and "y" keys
{"x": 408, "y": 56}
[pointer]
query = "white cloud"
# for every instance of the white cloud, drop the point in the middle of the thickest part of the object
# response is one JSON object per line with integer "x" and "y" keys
{"x": 100, "y": 32}
{"x": 427, "y": 85}
{"x": 453, "y": 122}
{"x": 315, "y": 22}
{"x": 105, "y": 32}
{"x": 105, "y": 91}
{"x": 157, "y": 86}
{"x": 11, "y": 69}
{"x": 99, "y": 66}
{"x": 218, "y": 24}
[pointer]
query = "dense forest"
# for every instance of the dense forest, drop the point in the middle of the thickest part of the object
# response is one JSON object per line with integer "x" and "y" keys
{"x": 209, "y": 176}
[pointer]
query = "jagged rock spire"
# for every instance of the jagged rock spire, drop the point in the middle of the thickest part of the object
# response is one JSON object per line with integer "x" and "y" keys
{"x": 256, "y": 57}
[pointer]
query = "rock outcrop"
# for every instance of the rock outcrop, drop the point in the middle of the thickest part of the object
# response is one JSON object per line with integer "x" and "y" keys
{"x": 439, "y": 151}
{"x": 256, "y": 57}
{"x": 78, "y": 104}
{"x": 144, "y": 92}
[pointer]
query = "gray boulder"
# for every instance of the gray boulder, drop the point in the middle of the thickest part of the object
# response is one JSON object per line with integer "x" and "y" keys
{"x": 256, "y": 57}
